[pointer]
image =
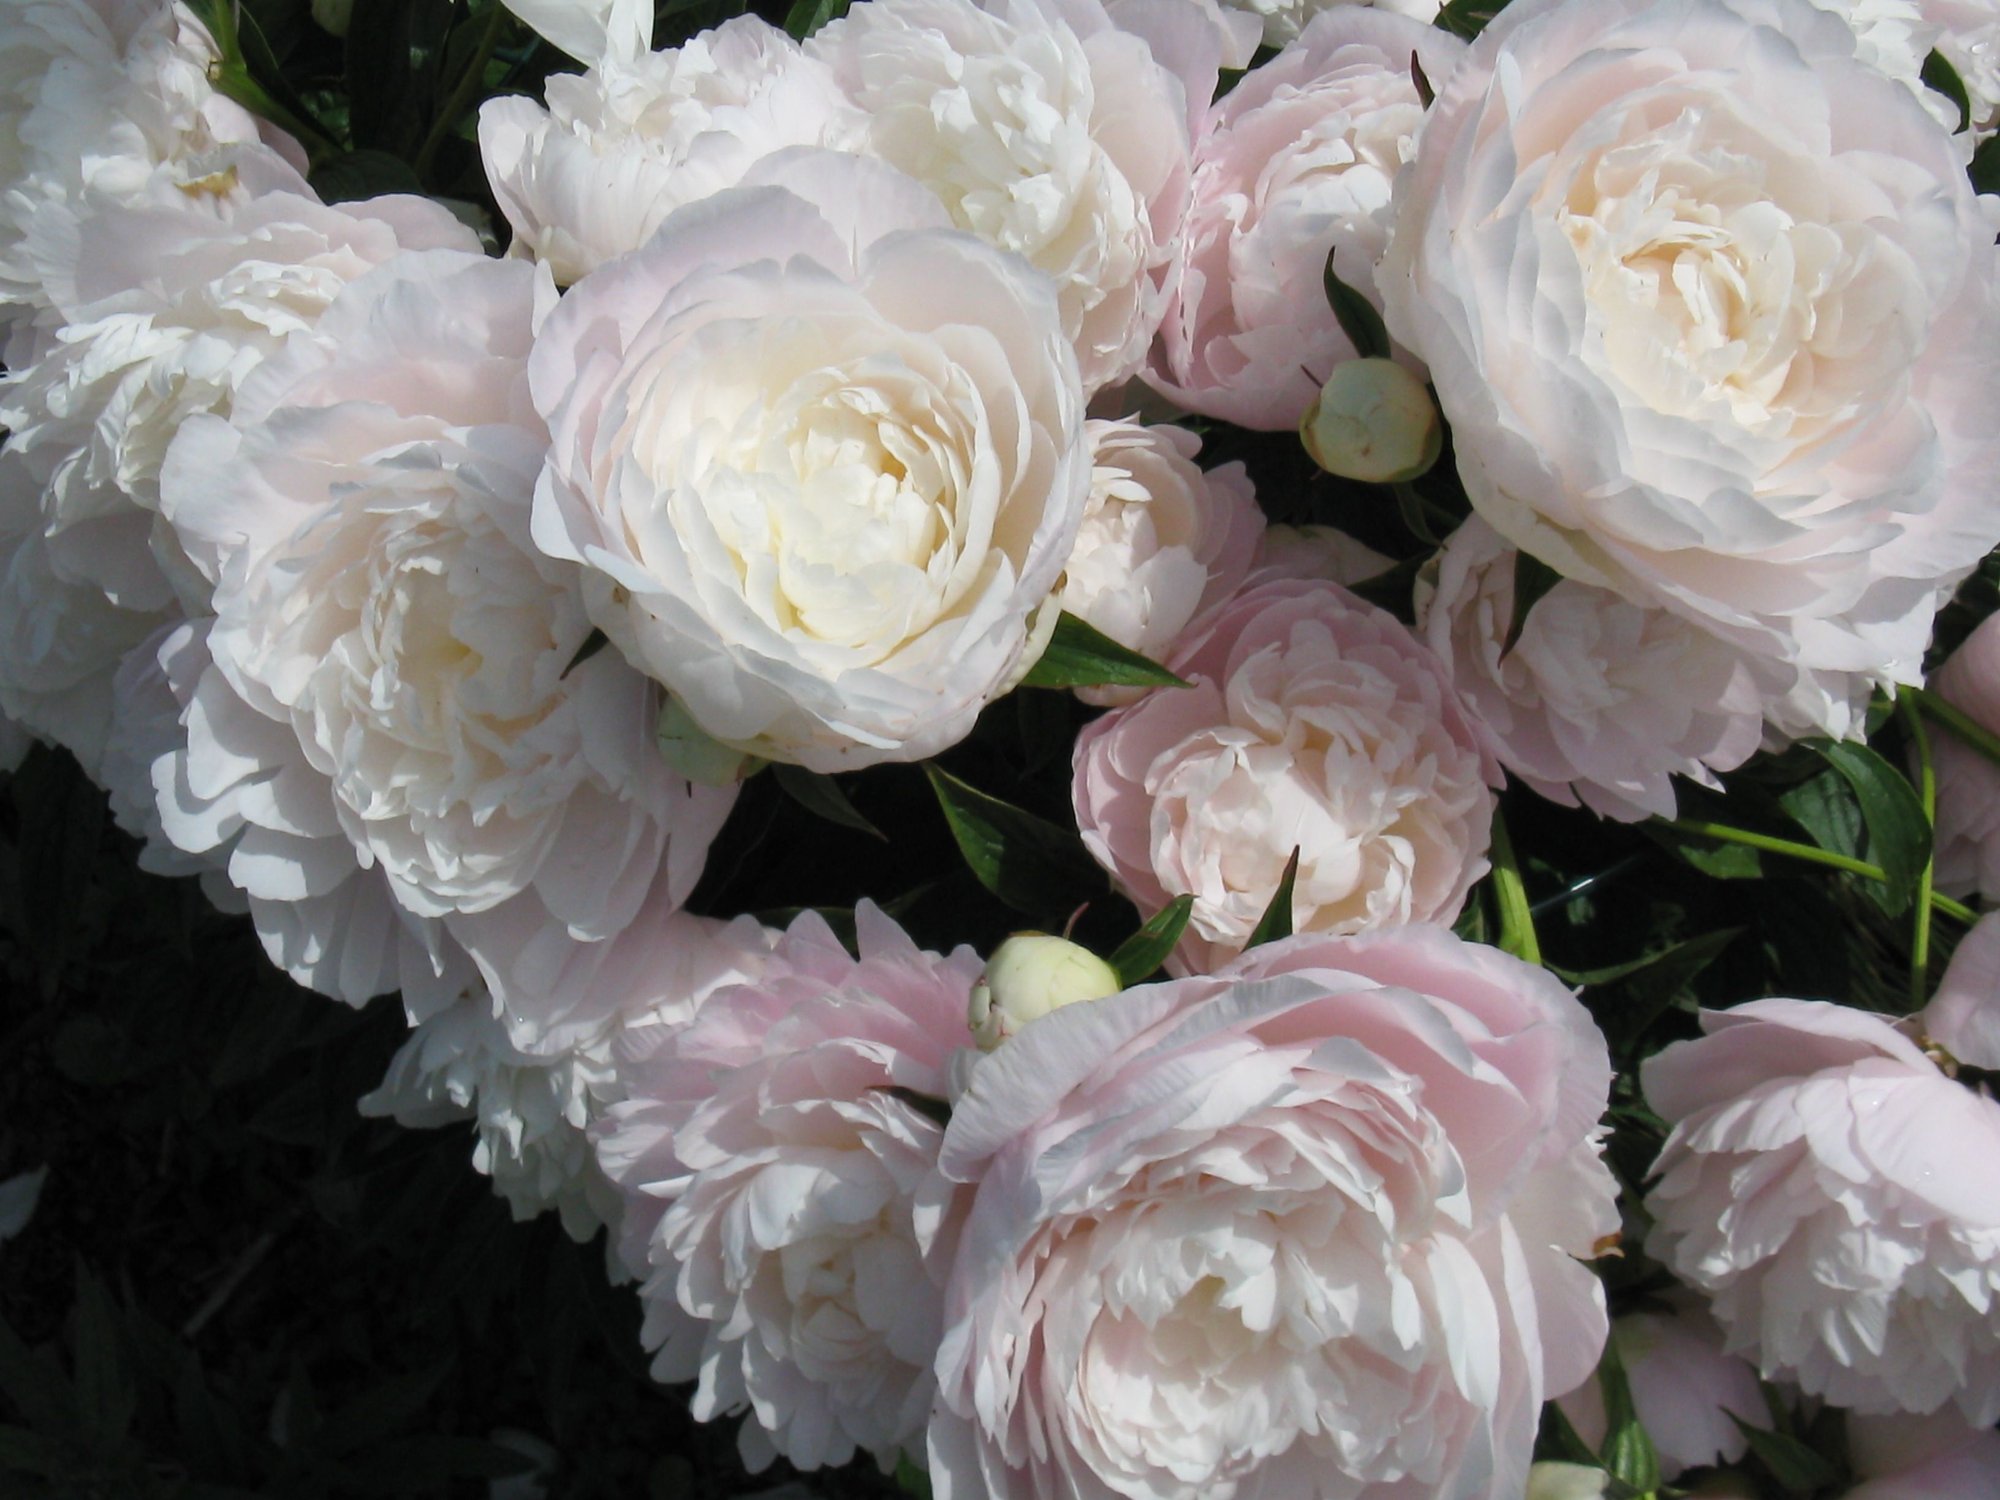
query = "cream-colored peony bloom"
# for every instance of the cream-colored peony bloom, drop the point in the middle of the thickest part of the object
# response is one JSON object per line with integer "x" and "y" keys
{"x": 1712, "y": 310}
{"x": 1047, "y": 129}
{"x": 822, "y": 466}
{"x": 621, "y": 146}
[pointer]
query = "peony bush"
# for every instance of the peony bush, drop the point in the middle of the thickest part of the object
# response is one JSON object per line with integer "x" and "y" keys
{"x": 1168, "y": 748}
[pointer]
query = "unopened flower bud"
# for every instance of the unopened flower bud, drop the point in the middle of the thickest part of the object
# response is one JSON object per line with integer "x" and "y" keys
{"x": 333, "y": 15}
{"x": 1030, "y": 975}
{"x": 1567, "y": 1482}
{"x": 1373, "y": 421}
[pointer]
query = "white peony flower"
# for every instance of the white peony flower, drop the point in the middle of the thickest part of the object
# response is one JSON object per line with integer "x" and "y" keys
{"x": 1313, "y": 722}
{"x": 1162, "y": 542}
{"x": 1718, "y": 333}
{"x": 781, "y": 1198}
{"x": 621, "y": 146}
{"x": 1283, "y": 20}
{"x": 1969, "y": 39}
{"x": 1046, "y": 129}
{"x": 822, "y": 466}
{"x": 1837, "y": 1198}
{"x": 391, "y": 650}
{"x": 167, "y": 305}
{"x": 532, "y": 1109}
{"x": 1599, "y": 700}
{"x": 591, "y": 31}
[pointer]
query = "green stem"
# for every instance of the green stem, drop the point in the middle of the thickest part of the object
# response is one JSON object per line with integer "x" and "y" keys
{"x": 462, "y": 91}
{"x": 1920, "y": 937}
{"x": 1722, "y": 833}
{"x": 1517, "y": 923}
{"x": 1960, "y": 723}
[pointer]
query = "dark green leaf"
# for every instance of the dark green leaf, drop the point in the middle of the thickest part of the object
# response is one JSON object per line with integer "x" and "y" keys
{"x": 1532, "y": 579}
{"x": 593, "y": 643}
{"x": 1029, "y": 863}
{"x": 1081, "y": 656}
{"x": 911, "y": 1479}
{"x": 1416, "y": 515}
{"x": 25, "y": 1452}
{"x": 927, "y": 1105}
{"x": 1628, "y": 997}
{"x": 1985, "y": 169}
{"x": 822, "y": 795}
{"x": 1139, "y": 957}
{"x": 1939, "y": 74}
{"x": 387, "y": 1407}
{"x": 1277, "y": 919}
{"x": 1628, "y": 1453}
{"x": 355, "y": 175}
{"x": 1392, "y": 588}
{"x": 1899, "y": 835}
{"x": 807, "y": 16}
{"x": 422, "y": 1461}
{"x": 1795, "y": 1466}
{"x": 1559, "y": 1441}
{"x": 1467, "y": 18}
{"x": 1426, "y": 95}
{"x": 1356, "y": 315}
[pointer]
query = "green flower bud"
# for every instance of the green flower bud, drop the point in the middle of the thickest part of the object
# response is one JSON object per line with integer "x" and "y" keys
{"x": 1030, "y": 975}
{"x": 1373, "y": 421}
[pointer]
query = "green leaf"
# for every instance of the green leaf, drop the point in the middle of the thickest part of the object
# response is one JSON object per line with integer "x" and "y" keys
{"x": 1532, "y": 579}
{"x": 1426, "y": 95}
{"x": 1356, "y": 315}
{"x": 1796, "y": 1467}
{"x": 38, "y": 1388}
{"x": 1029, "y": 863}
{"x": 593, "y": 643}
{"x": 1391, "y": 589}
{"x": 25, "y": 1452}
{"x": 355, "y": 175}
{"x": 1416, "y": 515}
{"x": 807, "y": 16}
{"x": 1559, "y": 1441}
{"x": 1940, "y": 75}
{"x": 1985, "y": 168}
{"x": 928, "y": 1105}
{"x": 822, "y": 795}
{"x": 1080, "y": 656}
{"x": 1467, "y": 18}
{"x": 911, "y": 1479}
{"x": 1633, "y": 994}
{"x": 1139, "y": 957}
{"x": 1277, "y": 919}
{"x": 105, "y": 1399}
{"x": 1899, "y": 835}
{"x": 1628, "y": 1453}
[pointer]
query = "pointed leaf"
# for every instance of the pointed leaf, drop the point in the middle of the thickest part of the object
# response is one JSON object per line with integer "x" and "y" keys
{"x": 822, "y": 795}
{"x": 1532, "y": 579}
{"x": 1794, "y": 1465}
{"x": 1277, "y": 919}
{"x": 1029, "y": 863}
{"x": 1356, "y": 315}
{"x": 1079, "y": 655}
{"x": 1628, "y": 1452}
{"x": 1939, "y": 74}
{"x": 807, "y": 16}
{"x": 1899, "y": 835}
{"x": 1139, "y": 957}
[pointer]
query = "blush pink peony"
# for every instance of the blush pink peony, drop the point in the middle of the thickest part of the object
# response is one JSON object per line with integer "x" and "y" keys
{"x": 1837, "y": 1198}
{"x": 1294, "y": 162}
{"x": 1313, "y": 721}
{"x": 1929, "y": 1458}
{"x": 1968, "y": 784}
{"x": 782, "y": 1207}
{"x": 1712, "y": 310}
{"x": 1304, "y": 1227}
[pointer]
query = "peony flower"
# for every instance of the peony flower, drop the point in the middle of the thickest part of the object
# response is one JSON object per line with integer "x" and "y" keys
{"x": 1316, "y": 722}
{"x": 591, "y": 31}
{"x": 1598, "y": 700}
{"x": 1301, "y": 1227}
{"x": 1715, "y": 331}
{"x": 621, "y": 146}
{"x": 532, "y": 1109}
{"x": 1046, "y": 128}
{"x": 167, "y": 306}
{"x": 822, "y": 464}
{"x": 1684, "y": 1388}
{"x": 1932, "y": 1458}
{"x": 1968, "y": 784}
{"x": 1291, "y": 164}
{"x": 781, "y": 1203}
{"x": 1283, "y": 20}
{"x": 1969, "y": 38}
{"x": 396, "y": 703}
{"x": 1963, "y": 1016}
{"x": 1162, "y": 543}
{"x": 1836, "y": 1197}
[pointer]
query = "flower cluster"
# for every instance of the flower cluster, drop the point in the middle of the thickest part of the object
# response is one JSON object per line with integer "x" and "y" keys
{"x": 1327, "y": 497}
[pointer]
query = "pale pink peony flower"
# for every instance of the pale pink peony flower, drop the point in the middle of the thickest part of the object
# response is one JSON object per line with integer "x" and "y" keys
{"x": 781, "y": 1200}
{"x": 1282, "y": 20}
{"x": 532, "y": 1109}
{"x": 1314, "y": 551}
{"x": 1963, "y": 1017}
{"x": 1928, "y": 1458}
{"x": 391, "y": 649}
{"x": 1162, "y": 543}
{"x": 1968, "y": 784}
{"x": 1312, "y": 721}
{"x": 1294, "y": 162}
{"x": 1599, "y": 700}
{"x": 1837, "y": 1198}
{"x": 822, "y": 461}
{"x": 1303, "y": 1227}
{"x": 621, "y": 146}
{"x": 591, "y": 31}
{"x": 1684, "y": 1387}
{"x": 1802, "y": 464}
{"x": 1057, "y": 129}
